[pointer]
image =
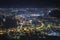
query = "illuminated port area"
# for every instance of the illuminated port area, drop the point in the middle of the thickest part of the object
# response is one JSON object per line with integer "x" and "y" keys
{"x": 28, "y": 23}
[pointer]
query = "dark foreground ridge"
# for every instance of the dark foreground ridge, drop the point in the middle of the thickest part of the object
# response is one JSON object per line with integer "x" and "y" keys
{"x": 33, "y": 37}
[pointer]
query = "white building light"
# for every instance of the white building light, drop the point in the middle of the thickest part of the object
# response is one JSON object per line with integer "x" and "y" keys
{"x": 34, "y": 14}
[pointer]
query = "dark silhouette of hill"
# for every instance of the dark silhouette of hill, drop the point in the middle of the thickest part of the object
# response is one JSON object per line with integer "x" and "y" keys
{"x": 55, "y": 13}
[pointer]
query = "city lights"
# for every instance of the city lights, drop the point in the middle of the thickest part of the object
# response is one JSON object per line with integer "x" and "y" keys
{"x": 27, "y": 22}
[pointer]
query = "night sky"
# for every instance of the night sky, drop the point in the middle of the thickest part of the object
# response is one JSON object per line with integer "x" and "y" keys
{"x": 27, "y": 3}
